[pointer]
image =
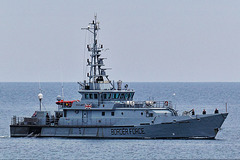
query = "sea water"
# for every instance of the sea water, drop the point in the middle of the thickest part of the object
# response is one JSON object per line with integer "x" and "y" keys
{"x": 21, "y": 99}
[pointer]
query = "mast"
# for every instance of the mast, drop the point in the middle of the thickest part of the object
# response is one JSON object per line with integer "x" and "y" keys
{"x": 96, "y": 73}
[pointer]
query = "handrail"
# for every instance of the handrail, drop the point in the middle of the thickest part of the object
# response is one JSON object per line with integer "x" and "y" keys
{"x": 33, "y": 121}
{"x": 131, "y": 104}
{"x": 143, "y": 104}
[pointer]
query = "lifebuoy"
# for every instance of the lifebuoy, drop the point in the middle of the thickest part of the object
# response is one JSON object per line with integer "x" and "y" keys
{"x": 166, "y": 103}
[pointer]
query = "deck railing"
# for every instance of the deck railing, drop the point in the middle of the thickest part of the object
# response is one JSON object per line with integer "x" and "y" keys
{"x": 143, "y": 104}
{"x": 130, "y": 104}
{"x": 33, "y": 121}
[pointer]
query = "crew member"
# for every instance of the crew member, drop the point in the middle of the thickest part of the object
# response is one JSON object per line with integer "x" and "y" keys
{"x": 47, "y": 119}
{"x": 216, "y": 111}
{"x": 193, "y": 112}
{"x": 204, "y": 111}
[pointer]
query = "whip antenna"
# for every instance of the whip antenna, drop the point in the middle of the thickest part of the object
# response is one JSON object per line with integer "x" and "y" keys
{"x": 40, "y": 95}
{"x": 62, "y": 92}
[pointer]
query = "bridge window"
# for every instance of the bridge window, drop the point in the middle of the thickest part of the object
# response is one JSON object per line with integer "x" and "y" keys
{"x": 122, "y": 96}
{"x": 131, "y": 95}
{"x": 86, "y": 96}
{"x": 126, "y": 96}
{"x": 109, "y": 95}
{"x": 141, "y": 113}
{"x": 95, "y": 96}
{"x": 112, "y": 113}
{"x": 116, "y": 95}
{"x": 103, "y": 113}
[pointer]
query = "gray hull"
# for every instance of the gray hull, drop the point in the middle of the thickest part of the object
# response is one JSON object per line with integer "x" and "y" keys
{"x": 206, "y": 127}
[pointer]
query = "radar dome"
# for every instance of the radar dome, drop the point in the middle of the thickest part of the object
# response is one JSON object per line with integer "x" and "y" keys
{"x": 59, "y": 98}
{"x": 40, "y": 96}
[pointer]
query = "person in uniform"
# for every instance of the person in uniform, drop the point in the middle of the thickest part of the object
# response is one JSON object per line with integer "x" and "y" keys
{"x": 47, "y": 119}
{"x": 204, "y": 111}
{"x": 193, "y": 112}
{"x": 216, "y": 111}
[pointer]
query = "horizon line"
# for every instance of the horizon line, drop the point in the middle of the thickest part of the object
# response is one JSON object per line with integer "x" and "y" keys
{"x": 125, "y": 82}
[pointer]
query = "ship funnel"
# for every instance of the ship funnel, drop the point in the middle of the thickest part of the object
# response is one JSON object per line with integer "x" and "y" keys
{"x": 119, "y": 84}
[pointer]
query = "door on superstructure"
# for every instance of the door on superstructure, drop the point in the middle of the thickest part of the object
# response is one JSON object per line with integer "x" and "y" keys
{"x": 85, "y": 117}
{"x": 99, "y": 99}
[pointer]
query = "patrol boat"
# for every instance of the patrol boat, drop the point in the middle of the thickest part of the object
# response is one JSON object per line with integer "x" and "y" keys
{"x": 106, "y": 111}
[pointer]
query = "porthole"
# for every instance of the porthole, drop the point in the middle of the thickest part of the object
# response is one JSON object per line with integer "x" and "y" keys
{"x": 76, "y": 111}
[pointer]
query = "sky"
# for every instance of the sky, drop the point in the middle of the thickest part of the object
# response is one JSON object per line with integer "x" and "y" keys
{"x": 145, "y": 41}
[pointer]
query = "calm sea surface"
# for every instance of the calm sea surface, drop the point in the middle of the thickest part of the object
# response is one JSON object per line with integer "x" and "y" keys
{"x": 21, "y": 99}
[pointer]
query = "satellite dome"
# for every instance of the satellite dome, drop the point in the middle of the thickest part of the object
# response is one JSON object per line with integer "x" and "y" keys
{"x": 40, "y": 96}
{"x": 59, "y": 98}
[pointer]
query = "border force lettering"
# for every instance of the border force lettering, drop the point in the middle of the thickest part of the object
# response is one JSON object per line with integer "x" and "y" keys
{"x": 127, "y": 131}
